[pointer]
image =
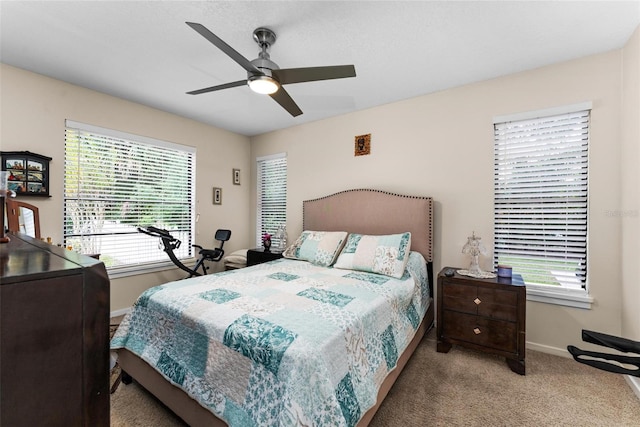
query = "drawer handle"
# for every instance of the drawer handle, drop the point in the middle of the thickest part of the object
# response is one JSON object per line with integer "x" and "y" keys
{"x": 477, "y": 331}
{"x": 477, "y": 301}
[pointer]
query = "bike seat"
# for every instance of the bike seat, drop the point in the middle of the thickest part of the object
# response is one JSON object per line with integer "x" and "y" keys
{"x": 210, "y": 253}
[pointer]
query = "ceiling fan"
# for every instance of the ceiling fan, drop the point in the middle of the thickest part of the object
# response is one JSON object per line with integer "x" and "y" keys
{"x": 264, "y": 76}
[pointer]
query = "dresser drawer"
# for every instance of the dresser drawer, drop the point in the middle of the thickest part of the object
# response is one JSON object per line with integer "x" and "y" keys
{"x": 497, "y": 334}
{"x": 490, "y": 302}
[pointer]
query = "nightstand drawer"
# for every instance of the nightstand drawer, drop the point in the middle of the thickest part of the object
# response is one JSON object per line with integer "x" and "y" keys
{"x": 494, "y": 303}
{"x": 496, "y": 334}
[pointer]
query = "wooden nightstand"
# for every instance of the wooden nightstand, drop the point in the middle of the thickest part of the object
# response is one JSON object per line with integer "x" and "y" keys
{"x": 483, "y": 314}
{"x": 259, "y": 255}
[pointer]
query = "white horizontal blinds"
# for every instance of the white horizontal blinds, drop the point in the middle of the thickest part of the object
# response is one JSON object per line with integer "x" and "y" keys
{"x": 540, "y": 205}
{"x": 272, "y": 195}
{"x": 114, "y": 185}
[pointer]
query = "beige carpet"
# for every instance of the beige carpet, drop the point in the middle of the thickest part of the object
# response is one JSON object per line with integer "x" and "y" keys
{"x": 463, "y": 388}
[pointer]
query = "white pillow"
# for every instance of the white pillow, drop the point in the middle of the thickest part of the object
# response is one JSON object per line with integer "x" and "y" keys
{"x": 233, "y": 265}
{"x": 237, "y": 257}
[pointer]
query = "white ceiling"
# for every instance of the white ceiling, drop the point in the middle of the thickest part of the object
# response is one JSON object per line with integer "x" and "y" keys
{"x": 144, "y": 52}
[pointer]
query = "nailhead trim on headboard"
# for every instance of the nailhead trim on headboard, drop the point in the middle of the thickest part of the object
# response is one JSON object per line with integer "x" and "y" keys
{"x": 395, "y": 220}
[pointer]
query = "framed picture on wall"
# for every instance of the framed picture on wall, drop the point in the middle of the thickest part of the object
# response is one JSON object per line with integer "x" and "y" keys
{"x": 362, "y": 145}
{"x": 236, "y": 176}
{"x": 217, "y": 195}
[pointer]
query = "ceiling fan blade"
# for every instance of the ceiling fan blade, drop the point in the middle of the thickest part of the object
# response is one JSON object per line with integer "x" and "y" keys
{"x": 283, "y": 98}
{"x": 218, "y": 87}
{"x": 220, "y": 44}
{"x": 310, "y": 74}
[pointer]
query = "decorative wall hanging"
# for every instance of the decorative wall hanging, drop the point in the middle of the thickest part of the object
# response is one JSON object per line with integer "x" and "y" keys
{"x": 236, "y": 176}
{"x": 28, "y": 172}
{"x": 362, "y": 145}
{"x": 217, "y": 196}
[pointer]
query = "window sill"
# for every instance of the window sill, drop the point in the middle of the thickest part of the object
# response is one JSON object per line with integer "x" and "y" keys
{"x": 134, "y": 270}
{"x": 567, "y": 297}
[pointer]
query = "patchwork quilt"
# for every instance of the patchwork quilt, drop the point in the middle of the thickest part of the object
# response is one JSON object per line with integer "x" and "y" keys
{"x": 284, "y": 343}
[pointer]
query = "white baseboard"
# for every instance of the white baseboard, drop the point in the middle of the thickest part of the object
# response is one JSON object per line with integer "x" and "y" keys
{"x": 634, "y": 383}
{"x": 120, "y": 312}
{"x": 562, "y": 352}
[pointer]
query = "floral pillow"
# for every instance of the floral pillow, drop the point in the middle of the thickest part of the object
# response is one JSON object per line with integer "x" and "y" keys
{"x": 317, "y": 247}
{"x": 386, "y": 255}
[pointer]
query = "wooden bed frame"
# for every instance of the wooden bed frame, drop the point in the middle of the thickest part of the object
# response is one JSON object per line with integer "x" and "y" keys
{"x": 357, "y": 211}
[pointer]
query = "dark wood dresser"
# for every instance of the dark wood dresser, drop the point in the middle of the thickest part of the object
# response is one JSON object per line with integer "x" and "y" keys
{"x": 54, "y": 336}
{"x": 483, "y": 314}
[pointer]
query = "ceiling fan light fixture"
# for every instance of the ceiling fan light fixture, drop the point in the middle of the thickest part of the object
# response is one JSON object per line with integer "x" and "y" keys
{"x": 263, "y": 75}
{"x": 263, "y": 84}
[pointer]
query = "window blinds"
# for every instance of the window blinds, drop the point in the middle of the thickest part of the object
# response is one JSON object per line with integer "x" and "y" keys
{"x": 116, "y": 182}
{"x": 540, "y": 198}
{"x": 272, "y": 195}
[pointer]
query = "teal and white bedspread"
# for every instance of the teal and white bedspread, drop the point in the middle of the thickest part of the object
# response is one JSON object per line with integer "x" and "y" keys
{"x": 285, "y": 343}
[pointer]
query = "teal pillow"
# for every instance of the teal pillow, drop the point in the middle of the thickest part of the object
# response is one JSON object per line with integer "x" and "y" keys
{"x": 386, "y": 255}
{"x": 317, "y": 247}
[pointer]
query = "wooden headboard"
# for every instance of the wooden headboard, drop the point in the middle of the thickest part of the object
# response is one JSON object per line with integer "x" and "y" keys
{"x": 374, "y": 212}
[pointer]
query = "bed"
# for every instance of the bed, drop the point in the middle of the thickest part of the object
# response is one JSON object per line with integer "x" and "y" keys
{"x": 292, "y": 341}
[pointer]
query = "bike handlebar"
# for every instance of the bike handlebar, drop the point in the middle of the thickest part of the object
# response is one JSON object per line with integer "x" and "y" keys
{"x": 163, "y": 234}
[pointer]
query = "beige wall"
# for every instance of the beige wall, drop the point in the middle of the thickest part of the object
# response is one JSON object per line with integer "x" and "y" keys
{"x": 441, "y": 145}
{"x": 630, "y": 206}
{"x": 32, "y": 116}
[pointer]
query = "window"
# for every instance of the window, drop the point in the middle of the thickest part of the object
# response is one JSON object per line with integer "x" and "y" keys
{"x": 115, "y": 182}
{"x": 272, "y": 195}
{"x": 540, "y": 199}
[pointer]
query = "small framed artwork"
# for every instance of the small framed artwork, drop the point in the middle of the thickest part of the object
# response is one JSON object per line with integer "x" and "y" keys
{"x": 362, "y": 145}
{"x": 217, "y": 196}
{"x": 236, "y": 176}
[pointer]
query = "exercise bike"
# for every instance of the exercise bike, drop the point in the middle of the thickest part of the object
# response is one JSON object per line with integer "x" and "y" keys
{"x": 170, "y": 244}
